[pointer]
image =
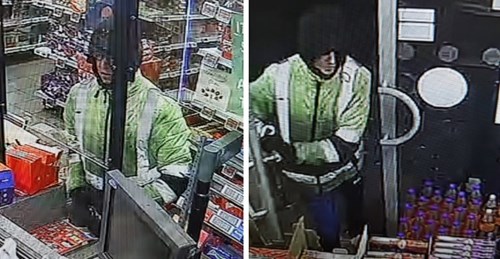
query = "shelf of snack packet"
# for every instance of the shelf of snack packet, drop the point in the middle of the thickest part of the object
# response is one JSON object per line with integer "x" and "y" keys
{"x": 229, "y": 120}
{"x": 22, "y": 48}
{"x": 228, "y": 182}
{"x": 223, "y": 221}
{"x": 58, "y": 9}
{"x": 224, "y": 216}
{"x": 215, "y": 55}
{"x": 222, "y": 236}
{"x": 178, "y": 73}
{"x": 49, "y": 102}
{"x": 8, "y": 23}
{"x": 62, "y": 61}
{"x": 146, "y": 13}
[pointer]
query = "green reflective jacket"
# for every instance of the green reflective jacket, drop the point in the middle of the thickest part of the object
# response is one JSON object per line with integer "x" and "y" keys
{"x": 168, "y": 142}
{"x": 338, "y": 111}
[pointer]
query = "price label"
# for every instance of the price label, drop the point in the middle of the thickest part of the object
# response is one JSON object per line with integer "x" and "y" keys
{"x": 74, "y": 17}
{"x": 238, "y": 235}
{"x": 229, "y": 171}
{"x": 209, "y": 9}
{"x": 162, "y": 19}
{"x": 58, "y": 12}
{"x": 233, "y": 194}
{"x": 217, "y": 187}
{"x": 180, "y": 202}
{"x": 176, "y": 46}
{"x": 194, "y": 70}
{"x": 192, "y": 44}
{"x": 167, "y": 48}
{"x": 211, "y": 60}
{"x": 223, "y": 15}
{"x": 176, "y": 29}
{"x": 233, "y": 220}
{"x": 38, "y": 4}
{"x": 231, "y": 124}
{"x": 50, "y": 102}
{"x": 207, "y": 113}
{"x": 221, "y": 224}
{"x": 40, "y": 53}
{"x": 60, "y": 63}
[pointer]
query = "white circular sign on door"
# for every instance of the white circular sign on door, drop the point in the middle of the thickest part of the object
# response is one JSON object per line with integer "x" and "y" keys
{"x": 442, "y": 87}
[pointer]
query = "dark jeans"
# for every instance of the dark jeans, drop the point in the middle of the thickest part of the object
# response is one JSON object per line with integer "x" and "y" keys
{"x": 331, "y": 213}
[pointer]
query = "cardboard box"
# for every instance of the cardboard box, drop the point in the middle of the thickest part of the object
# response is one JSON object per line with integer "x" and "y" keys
{"x": 304, "y": 244}
{"x": 35, "y": 167}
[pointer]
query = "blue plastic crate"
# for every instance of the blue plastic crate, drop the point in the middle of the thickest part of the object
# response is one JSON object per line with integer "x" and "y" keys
{"x": 7, "y": 185}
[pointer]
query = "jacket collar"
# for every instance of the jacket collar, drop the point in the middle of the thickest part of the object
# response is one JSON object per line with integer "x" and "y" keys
{"x": 305, "y": 70}
{"x": 138, "y": 84}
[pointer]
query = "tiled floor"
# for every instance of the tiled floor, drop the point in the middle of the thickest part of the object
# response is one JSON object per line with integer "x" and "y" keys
{"x": 23, "y": 80}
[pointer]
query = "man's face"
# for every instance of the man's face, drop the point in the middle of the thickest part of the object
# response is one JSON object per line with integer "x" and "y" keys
{"x": 104, "y": 68}
{"x": 326, "y": 63}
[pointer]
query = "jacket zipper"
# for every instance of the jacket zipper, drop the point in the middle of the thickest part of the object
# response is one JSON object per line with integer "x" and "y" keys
{"x": 106, "y": 133}
{"x": 315, "y": 115}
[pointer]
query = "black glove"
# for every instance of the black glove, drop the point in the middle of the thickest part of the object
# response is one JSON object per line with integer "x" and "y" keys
{"x": 276, "y": 143}
{"x": 346, "y": 151}
{"x": 86, "y": 208}
{"x": 177, "y": 184}
{"x": 79, "y": 213}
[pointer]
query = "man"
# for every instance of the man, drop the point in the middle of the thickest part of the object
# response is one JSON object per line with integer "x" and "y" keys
{"x": 157, "y": 152}
{"x": 319, "y": 101}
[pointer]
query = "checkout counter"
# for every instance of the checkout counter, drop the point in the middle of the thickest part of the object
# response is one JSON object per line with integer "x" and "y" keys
{"x": 128, "y": 214}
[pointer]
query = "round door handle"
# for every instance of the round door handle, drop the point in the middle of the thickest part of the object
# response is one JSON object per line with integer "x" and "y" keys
{"x": 417, "y": 118}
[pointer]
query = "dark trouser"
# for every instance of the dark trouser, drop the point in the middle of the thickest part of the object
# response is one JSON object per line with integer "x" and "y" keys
{"x": 332, "y": 213}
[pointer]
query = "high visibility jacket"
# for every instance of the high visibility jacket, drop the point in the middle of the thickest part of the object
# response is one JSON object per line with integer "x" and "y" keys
{"x": 156, "y": 134}
{"x": 311, "y": 111}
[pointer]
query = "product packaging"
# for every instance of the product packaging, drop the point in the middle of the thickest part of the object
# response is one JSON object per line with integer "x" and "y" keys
{"x": 34, "y": 168}
{"x": 6, "y": 185}
{"x": 395, "y": 244}
{"x": 61, "y": 236}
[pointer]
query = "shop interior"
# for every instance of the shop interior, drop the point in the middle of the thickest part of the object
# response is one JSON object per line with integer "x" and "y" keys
{"x": 192, "y": 52}
{"x": 430, "y": 145}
